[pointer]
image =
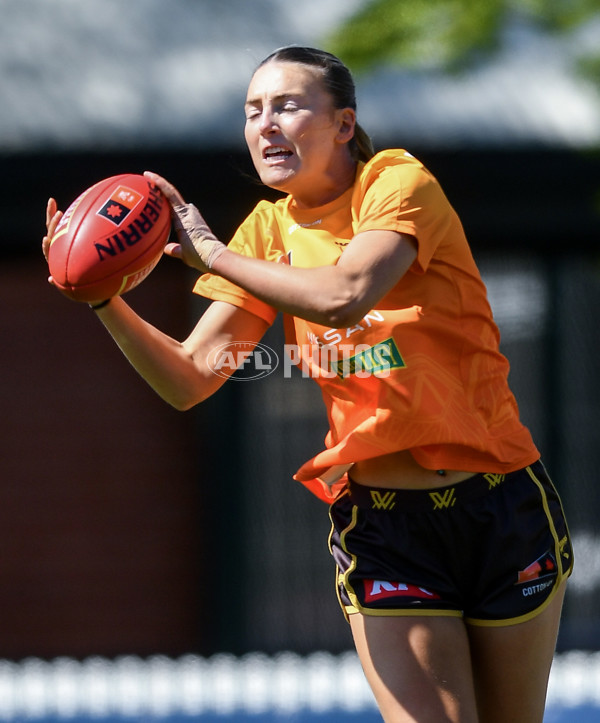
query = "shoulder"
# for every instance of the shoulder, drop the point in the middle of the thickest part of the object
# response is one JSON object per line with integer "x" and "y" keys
{"x": 397, "y": 165}
{"x": 395, "y": 176}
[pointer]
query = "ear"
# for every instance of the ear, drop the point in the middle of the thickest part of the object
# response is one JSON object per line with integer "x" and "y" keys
{"x": 346, "y": 119}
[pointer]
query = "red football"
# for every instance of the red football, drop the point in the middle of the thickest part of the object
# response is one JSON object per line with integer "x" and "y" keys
{"x": 110, "y": 238}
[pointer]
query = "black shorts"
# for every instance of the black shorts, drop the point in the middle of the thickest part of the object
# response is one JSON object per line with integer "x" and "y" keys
{"x": 492, "y": 549}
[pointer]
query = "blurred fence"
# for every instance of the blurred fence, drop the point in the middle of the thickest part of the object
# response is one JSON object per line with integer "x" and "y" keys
{"x": 317, "y": 688}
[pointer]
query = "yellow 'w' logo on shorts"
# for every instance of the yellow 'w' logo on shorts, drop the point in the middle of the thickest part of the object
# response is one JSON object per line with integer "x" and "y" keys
{"x": 385, "y": 501}
{"x": 494, "y": 479}
{"x": 443, "y": 499}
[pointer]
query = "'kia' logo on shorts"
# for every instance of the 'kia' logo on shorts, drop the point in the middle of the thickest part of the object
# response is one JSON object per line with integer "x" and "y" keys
{"x": 382, "y": 589}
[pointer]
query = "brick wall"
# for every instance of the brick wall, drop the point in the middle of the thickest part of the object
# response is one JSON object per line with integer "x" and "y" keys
{"x": 100, "y": 543}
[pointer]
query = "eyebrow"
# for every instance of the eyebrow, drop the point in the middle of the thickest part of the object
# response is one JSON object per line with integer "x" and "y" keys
{"x": 277, "y": 98}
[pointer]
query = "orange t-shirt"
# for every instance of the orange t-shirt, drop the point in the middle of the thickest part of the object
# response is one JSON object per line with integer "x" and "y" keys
{"x": 422, "y": 370}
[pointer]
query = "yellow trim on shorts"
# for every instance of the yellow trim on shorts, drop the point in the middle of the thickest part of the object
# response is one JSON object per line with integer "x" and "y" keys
{"x": 402, "y": 612}
{"x": 337, "y": 570}
{"x": 344, "y": 576}
{"x": 560, "y": 578}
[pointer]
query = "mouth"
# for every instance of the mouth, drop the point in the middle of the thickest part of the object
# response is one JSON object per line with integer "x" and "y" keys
{"x": 276, "y": 154}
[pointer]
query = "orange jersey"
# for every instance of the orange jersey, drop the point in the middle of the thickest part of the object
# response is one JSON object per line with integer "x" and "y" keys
{"x": 422, "y": 370}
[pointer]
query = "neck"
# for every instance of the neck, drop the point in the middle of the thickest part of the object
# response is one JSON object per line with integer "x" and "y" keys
{"x": 333, "y": 186}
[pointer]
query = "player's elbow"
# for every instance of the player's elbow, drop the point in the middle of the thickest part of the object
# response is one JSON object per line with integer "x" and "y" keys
{"x": 346, "y": 311}
{"x": 346, "y": 317}
{"x": 180, "y": 402}
{"x": 186, "y": 397}
{"x": 345, "y": 303}
{"x": 183, "y": 405}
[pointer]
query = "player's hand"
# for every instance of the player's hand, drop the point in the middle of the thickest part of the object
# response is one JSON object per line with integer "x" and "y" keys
{"x": 53, "y": 216}
{"x": 198, "y": 247}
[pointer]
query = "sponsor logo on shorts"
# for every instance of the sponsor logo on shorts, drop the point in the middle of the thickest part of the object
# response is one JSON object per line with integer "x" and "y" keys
{"x": 120, "y": 204}
{"x": 383, "y": 500}
{"x": 443, "y": 500}
{"x": 383, "y": 589}
{"x": 564, "y": 547}
{"x": 535, "y": 589}
{"x": 538, "y": 576}
{"x": 494, "y": 479}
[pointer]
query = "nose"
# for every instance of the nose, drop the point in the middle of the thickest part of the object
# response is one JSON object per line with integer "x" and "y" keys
{"x": 268, "y": 123}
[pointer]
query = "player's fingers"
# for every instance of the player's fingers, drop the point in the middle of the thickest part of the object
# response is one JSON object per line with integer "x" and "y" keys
{"x": 168, "y": 189}
{"x": 50, "y": 210}
{"x": 174, "y": 250}
{"x": 53, "y": 223}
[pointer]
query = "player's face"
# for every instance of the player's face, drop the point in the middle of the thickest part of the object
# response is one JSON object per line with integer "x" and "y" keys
{"x": 297, "y": 139}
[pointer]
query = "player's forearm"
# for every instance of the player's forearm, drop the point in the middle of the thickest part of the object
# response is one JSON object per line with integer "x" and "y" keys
{"x": 324, "y": 294}
{"x": 160, "y": 360}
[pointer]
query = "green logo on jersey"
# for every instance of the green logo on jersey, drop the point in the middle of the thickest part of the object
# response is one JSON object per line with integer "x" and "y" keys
{"x": 378, "y": 359}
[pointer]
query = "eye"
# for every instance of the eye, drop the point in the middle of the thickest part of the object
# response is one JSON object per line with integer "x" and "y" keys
{"x": 252, "y": 112}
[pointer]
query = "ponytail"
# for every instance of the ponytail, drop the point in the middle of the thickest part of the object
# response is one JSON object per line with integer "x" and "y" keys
{"x": 361, "y": 145}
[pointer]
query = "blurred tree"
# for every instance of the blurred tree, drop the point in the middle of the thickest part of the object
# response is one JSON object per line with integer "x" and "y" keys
{"x": 450, "y": 34}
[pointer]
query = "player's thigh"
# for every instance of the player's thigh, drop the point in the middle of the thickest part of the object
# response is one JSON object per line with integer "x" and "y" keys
{"x": 511, "y": 666}
{"x": 419, "y": 668}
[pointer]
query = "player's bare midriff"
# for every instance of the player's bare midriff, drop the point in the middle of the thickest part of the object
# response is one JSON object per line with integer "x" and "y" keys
{"x": 400, "y": 470}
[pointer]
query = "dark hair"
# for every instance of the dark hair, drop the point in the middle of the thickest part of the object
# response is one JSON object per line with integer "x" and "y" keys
{"x": 338, "y": 82}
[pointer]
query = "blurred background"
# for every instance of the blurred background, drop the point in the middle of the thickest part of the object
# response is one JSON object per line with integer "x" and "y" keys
{"x": 129, "y": 529}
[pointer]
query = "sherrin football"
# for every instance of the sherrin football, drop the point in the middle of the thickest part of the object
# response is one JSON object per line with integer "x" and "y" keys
{"x": 110, "y": 238}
